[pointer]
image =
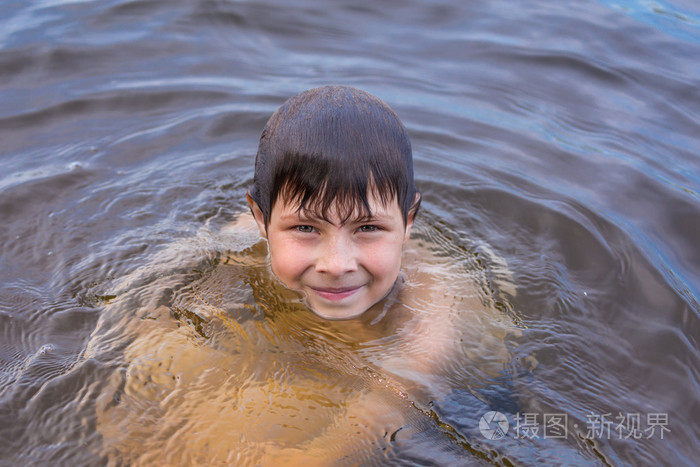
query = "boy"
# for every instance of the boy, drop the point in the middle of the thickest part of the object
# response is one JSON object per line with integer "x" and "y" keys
{"x": 334, "y": 196}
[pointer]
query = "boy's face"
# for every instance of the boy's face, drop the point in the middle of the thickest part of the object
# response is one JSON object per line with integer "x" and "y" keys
{"x": 343, "y": 269}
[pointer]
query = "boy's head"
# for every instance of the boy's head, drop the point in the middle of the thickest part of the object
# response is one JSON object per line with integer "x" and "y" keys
{"x": 333, "y": 163}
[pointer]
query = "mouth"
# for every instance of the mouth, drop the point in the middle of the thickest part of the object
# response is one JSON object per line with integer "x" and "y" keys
{"x": 334, "y": 294}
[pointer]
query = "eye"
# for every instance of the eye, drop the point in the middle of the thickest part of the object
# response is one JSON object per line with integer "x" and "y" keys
{"x": 368, "y": 228}
{"x": 304, "y": 228}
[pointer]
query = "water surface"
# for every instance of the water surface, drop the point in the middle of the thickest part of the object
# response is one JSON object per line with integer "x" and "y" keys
{"x": 556, "y": 147}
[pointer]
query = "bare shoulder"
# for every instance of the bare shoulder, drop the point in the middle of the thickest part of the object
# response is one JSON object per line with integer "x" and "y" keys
{"x": 243, "y": 224}
{"x": 437, "y": 291}
{"x": 453, "y": 316}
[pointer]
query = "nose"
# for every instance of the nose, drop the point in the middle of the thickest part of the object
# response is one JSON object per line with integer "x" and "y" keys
{"x": 337, "y": 255}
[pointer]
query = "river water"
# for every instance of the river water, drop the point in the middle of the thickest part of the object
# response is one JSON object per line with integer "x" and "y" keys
{"x": 556, "y": 146}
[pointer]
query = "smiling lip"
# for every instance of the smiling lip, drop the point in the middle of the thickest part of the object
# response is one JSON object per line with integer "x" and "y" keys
{"x": 335, "y": 294}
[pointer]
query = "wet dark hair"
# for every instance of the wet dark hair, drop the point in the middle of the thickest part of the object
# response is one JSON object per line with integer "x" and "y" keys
{"x": 330, "y": 145}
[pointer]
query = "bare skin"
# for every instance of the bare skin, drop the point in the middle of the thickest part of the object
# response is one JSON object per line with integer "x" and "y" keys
{"x": 247, "y": 399}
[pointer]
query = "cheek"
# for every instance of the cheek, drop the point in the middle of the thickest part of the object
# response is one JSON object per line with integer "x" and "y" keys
{"x": 288, "y": 262}
{"x": 384, "y": 261}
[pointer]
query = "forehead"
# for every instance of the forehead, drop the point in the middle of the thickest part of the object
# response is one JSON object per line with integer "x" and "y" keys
{"x": 339, "y": 210}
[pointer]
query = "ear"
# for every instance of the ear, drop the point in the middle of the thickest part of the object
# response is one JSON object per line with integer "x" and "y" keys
{"x": 258, "y": 215}
{"x": 411, "y": 216}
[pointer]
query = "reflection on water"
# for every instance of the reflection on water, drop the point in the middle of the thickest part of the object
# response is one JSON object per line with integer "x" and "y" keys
{"x": 556, "y": 148}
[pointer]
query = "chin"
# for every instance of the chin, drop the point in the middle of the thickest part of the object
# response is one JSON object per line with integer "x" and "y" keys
{"x": 336, "y": 315}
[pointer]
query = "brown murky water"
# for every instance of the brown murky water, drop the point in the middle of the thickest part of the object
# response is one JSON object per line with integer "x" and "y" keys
{"x": 556, "y": 146}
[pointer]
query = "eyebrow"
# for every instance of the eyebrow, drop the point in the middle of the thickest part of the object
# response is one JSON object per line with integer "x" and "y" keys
{"x": 304, "y": 215}
{"x": 301, "y": 216}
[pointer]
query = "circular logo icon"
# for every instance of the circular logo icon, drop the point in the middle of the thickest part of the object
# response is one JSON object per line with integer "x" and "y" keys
{"x": 493, "y": 425}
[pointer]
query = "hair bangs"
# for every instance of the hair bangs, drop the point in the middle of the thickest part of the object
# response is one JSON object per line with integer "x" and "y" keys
{"x": 324, "y": 191}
